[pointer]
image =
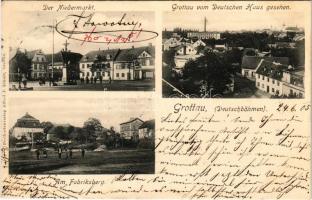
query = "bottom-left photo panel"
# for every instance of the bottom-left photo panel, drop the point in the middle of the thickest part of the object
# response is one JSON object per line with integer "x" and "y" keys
{"x": 81, "y": 136}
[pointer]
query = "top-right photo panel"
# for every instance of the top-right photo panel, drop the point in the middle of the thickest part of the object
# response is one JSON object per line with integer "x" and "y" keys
{"x": 256, "y": 56}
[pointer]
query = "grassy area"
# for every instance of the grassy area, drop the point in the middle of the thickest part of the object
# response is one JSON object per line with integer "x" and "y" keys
{"x": 105, "y": 162}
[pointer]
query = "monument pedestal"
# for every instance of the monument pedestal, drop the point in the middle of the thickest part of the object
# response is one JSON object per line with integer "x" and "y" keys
{"x": 64, "y": 76}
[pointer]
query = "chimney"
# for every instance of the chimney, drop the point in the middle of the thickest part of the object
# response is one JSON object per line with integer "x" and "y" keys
{"x": 205, "y": 25}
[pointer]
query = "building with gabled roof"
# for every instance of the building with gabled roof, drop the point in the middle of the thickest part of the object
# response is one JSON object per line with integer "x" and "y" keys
{"x": 119, "y": 64}
{"x": 147, "y": 129}
{"x": 129, "y": 130}
{"x": 250, "y": 63}
{"x": 170, "y": 43}
{"x": 39, "y": 64}
{"x": 26, "y": 127}
{"x": 280, "y": 80}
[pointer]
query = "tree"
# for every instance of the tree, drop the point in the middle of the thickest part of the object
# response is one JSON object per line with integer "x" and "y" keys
{"x": 99, "y": 64}
{"x": 92, "y": 126}
{"x": 80, "y": 135}
{"x": 46, "y": 126}
{"x": 209, "y": 70}
{"x": 168, "y": 57}
{"x": 23, "y": 63}
{"x": 62, "y": 132}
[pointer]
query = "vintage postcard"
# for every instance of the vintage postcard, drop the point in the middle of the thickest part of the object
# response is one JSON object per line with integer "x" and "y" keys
{"x": 156, "y": 100}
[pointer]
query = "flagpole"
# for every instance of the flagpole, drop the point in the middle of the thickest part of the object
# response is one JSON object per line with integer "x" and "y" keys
{"x": 52, "y": 49}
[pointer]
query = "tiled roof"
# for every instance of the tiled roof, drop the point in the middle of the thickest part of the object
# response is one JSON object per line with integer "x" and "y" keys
{"x": 119, "y": 54}
{"x": 272, "y": 69}
{"x": 27, "y": 121}
{"x": 133, "y": 53}
{"x": 132, "y": 120}
{"x": 27, "y": 117}
{"x": 295, "y": 29}
{"x": 57, "y": 57}
{"x": 31, "y": 54}
{"x": 61, "y": 55}
{"x": 92, "y": 55}
{"x": 148, "y": 124}
{"x": 252, "y": 62}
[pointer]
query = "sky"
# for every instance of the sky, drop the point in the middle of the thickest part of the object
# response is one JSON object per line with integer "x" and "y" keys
{"x": 232, "y": 21}
{"x": 32, "y": 30}
{"x": 110, "y": 111}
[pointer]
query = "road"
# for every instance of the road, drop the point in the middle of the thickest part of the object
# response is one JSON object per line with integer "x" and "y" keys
{"x": 137, "y": 85}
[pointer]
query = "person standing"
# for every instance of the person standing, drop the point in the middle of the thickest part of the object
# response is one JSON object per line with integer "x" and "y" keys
{"x": 50, "y": 80}
{"x": 20, "y": 77}
{"x": 66, "y": 153}
{"x": 101, "y": 79}
{"x": 24, "y": 80}
{"x": 82, "y": 153}
{"x": 38, "y": 154}
{"x": 60, "y": 153}
{"x": 70, "y": 153}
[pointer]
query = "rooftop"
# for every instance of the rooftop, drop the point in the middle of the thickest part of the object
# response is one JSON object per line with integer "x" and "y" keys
{"x": 252, "y": 62}
{"x": 118, "y": 54}
{"x": 132, "y": 120}
{"x": 272, "y": 69}
{"x": 148, "y": 124}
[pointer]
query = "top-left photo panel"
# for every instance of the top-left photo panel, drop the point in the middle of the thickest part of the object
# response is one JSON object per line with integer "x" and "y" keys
{"x": 82, "y": 51}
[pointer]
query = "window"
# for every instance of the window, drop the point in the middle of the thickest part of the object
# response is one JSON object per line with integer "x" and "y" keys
{"x": 291, "y": 91}
{"x": 258, "y": 84}
{"x": 117, "y": 74}
{"x": 82, "y": 66}
{"x": 277, "y": 92}
{"x": 108, "y": 73}
{"x": 268, "y": 79}
{"x": 88, "y": 73}
{"x": 277, "y": 83}
{"x": 35, "y": 67}
{"x": 272, "y": 89}
{"x": 273, "y": 81}
{"x": 88, "y": 65}
{"x": 122, "y": 74}
{"x": 262, "y": 77}
{"x": 258, "y": 76}
{"x": 147, "y": 62}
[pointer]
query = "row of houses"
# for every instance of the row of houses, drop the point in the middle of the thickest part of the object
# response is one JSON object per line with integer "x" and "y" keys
{"x": 115, "y": 64}
{"x": 135, "y": 129}
{"x": 188, "y": 49}
{"x": 274, "y": 75}
{"x": 119, "y": 64}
